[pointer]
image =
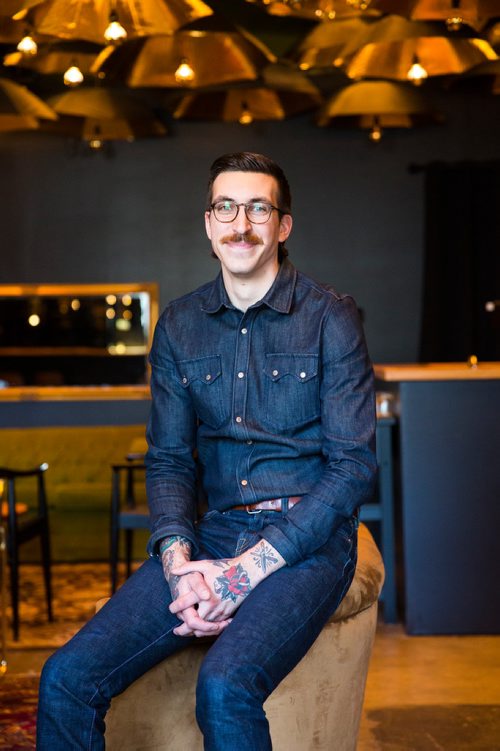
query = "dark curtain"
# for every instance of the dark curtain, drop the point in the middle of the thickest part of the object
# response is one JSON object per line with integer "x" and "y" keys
{"x": 462, "y": 262}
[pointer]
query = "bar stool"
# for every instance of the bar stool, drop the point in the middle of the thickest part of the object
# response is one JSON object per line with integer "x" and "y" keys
{"x": 24, "y": 523}
{"x": 128, "y": 515}
{"x": 382, "y": 511}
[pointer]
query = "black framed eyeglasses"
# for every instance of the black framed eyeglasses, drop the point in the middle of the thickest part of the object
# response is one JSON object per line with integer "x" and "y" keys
{"x": 257, "y": 212}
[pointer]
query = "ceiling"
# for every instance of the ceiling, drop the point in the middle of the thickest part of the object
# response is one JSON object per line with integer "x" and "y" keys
{"x": 244, "y": 61}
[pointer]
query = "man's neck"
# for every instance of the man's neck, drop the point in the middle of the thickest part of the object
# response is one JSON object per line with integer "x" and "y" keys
{"x": 244, "y": 292}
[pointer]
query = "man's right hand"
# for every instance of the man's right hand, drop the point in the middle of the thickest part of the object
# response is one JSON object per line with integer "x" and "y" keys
{"x": 175, "y": 551}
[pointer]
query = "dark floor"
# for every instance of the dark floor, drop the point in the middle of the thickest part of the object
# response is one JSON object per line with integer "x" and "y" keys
{"x": 432, "y": 693}
{"x": 423, "y": 693}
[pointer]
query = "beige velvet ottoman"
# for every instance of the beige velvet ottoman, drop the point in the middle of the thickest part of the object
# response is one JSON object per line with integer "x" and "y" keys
{"x": 317, "y": 706}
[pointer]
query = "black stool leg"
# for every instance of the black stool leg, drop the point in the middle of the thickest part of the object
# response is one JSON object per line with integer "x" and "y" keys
{"x": 45, "y": 546}
{"x": 13, "y": 557}
{"x": 129, "y": 537}
{"x": 14, "y": 590}
{"x": 115, "y": 510}
{"x": 47, "y": 576}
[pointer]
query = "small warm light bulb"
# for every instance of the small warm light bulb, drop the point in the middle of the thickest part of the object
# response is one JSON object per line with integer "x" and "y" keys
{"x": 417, "y": 73}
{"x": 110, "y": 313}
{"x": 111, "y": 299}
{"x": 454, "y": 23}
{"x": 359, "y": 4}
{"x": 114, "y": 33}
{"x": 126, "y": 300}
{"x": 376, "y": 132}
{"x": 184, "y": 73}
{"x": 34, "y": 320}
{"x": 246, "y": 116}
{"x": 73, "y": 76}
{"x": 75, "y": 304}
{"x": 27, "y": 46}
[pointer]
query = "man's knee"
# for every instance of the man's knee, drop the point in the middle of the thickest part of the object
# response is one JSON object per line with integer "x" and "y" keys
{"x": 64, "y": 674}
{"x": 220, "y": 686}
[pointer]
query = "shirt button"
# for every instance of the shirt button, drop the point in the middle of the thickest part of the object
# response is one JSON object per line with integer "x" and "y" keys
{"x": 249, "y": 443}
{"x": 184, "y": 380}
{"x": 244, "y": 331}
{"x": 302, "y": 375}
{"x": 208, "y": 377}
{"x": 238, "y": 419}
{"x": 244, "y": 482}
{"x": 241, "y": 374}
{"x": 275, "y": 372}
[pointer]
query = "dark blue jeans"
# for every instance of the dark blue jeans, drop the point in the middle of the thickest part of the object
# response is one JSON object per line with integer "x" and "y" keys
{"x": 270, "y": 633}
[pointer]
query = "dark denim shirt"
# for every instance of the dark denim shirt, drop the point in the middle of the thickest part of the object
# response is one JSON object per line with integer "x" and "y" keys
{"x": 278, "y": 401}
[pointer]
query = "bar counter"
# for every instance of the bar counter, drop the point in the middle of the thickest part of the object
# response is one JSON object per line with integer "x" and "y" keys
{"x": 449, "y": 415}
{"x": 38, "y": 406}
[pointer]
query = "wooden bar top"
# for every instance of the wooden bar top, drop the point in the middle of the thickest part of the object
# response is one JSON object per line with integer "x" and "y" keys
{"x": 73, "y": 393}
{"x": 438, "y": 371}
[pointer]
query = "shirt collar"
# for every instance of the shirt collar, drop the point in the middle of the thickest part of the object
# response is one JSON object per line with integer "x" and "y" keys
{"x": 279, "y": 297}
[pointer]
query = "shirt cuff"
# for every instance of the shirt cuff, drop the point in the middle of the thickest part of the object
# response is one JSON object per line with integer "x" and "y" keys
{"x": 170, "y": 530}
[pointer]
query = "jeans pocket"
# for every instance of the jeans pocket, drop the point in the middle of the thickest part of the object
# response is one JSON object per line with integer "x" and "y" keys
{"x": 202, "y": 377}
{"x": 292, "y": 390}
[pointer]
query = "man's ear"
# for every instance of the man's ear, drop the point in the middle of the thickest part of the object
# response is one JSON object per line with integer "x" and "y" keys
{"x": 286, "y": 223}
{"x": 208, "y": 228}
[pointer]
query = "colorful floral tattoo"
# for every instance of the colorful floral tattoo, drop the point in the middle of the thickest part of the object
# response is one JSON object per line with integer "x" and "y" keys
{"x": 233, "y": 583}
{"x": 263, "y": 555}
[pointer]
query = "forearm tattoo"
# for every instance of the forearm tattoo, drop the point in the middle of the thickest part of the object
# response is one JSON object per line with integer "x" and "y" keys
{"x": 168, "y": 554}
{"x": 263, "y": 555}
{"x": 167, "y": 543}
{"x": 234, "y": 582}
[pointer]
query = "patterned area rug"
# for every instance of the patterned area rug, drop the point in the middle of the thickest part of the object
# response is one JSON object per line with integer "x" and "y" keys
{"x": 76, "y": 589}
{"x": 18, "y": 712}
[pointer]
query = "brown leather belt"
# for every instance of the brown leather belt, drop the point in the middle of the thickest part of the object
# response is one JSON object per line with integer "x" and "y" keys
{"x": 275, "y": 504}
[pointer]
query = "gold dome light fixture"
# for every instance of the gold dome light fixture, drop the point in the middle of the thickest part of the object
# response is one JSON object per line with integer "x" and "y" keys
{"x": 318, "y": 10}
{"x": 20, "y": 109}
{"x": 189, "y": 58}
{"x": 375, "y": 106}
{"x": 394, "y": 47}
{"x": 114, "y": 21}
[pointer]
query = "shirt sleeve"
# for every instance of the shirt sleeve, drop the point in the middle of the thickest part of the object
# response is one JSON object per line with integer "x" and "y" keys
{"x": 171, "y": 433}
{"x": 348, "y": 421}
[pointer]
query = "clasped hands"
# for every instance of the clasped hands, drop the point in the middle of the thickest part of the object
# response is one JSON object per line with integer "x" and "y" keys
{"x": 207, "y": 593}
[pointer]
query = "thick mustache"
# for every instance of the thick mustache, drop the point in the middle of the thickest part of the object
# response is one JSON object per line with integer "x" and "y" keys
{"x": 242, "y": 237}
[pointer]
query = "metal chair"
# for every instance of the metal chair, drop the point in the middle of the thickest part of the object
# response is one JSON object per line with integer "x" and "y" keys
{"x": 128, "y": 515}
{"x": 23, "y": 524}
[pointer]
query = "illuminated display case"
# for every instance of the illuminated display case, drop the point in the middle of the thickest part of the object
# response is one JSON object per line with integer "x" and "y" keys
{"x": 76, "y": 335}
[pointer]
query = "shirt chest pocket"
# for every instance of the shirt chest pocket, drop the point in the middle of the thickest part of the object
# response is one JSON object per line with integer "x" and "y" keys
{"x": 202, "y": 377}
{"x": 291, "y": 390}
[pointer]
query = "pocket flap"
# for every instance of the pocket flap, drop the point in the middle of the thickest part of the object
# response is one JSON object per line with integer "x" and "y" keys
{"x": 203, "y": 369}
{"x": 301, "y": 367}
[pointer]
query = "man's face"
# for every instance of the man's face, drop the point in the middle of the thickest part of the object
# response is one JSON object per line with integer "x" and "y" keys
{"x": 247, "y": 251}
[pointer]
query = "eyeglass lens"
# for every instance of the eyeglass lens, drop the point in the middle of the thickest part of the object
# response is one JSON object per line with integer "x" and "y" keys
{"x": 256, "y": 211}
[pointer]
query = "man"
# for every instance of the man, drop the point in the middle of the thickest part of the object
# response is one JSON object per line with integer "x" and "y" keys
{"x": 264, "y": 374}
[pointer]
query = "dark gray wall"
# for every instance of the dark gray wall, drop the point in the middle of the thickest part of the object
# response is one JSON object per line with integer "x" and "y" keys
{"x": 359, "y": 213}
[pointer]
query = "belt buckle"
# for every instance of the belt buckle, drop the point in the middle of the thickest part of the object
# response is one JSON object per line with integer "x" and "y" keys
{"x": 255, "y": 511}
